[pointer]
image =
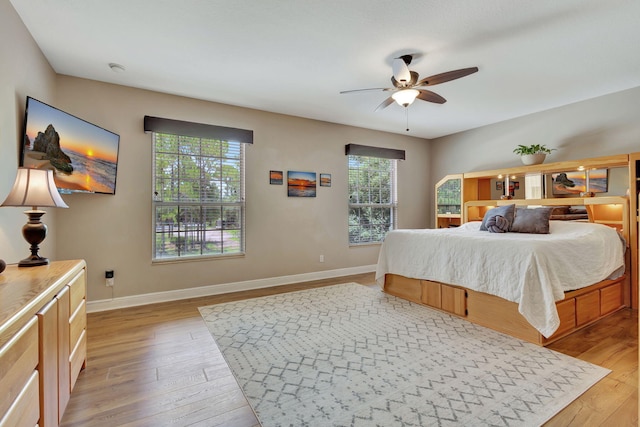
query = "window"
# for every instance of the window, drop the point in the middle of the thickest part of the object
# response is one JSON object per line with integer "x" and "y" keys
{"x": 372, "y": 198}
{"x": 198, "y": 196}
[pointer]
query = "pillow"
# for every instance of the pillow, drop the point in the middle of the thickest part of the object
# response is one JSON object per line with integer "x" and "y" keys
{"x": 507, "y": 212}
{"x": 497, "y": 224}
{"x": 534, "y": 221}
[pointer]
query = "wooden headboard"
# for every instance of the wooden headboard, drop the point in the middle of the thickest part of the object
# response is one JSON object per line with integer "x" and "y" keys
{"x": 610, "y": 210}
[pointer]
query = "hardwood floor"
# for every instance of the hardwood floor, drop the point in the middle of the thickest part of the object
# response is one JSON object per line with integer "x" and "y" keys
{"x": 157, "y": 365}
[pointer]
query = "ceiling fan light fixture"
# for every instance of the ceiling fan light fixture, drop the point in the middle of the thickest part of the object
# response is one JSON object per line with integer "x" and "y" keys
{"x": 405, "y": 97}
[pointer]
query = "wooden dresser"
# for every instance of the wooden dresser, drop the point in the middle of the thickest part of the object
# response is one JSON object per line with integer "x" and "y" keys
{"x": 43, "y": 341}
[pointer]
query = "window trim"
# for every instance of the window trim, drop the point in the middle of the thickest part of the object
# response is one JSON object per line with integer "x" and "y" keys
{"x": 393, "y": 206}
{"x": 241, "y": 204}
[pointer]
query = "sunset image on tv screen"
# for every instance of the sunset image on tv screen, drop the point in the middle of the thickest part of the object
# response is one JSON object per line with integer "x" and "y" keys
{"x": 82, "y": 155}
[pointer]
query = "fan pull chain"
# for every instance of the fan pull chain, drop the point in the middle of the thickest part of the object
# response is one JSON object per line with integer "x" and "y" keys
{"x": 406, "y": 109}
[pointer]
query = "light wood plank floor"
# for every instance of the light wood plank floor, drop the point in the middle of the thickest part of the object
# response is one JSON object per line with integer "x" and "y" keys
{"x": 157, "y": 365}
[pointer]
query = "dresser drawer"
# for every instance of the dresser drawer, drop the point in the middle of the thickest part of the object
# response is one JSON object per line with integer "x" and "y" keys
{"x": 25, "y": 409}
{"x": 77, "y": 286}
{"x": 77, "y": 324}
{"x": 18, "y": 360}
{"x": 77, "y": 358}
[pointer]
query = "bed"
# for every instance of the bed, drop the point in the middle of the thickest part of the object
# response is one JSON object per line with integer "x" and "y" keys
{"x": 538, "y": 287}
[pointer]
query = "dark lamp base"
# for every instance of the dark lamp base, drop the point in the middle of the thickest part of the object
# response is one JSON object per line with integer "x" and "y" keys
{"x": 33, "y": 261}
{"x": 34, "y": 232}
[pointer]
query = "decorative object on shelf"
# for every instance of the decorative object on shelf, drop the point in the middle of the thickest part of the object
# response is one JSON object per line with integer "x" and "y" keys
{"x": 532, "y": 154}
{"x": 34, "y": 187}
{"x": 580, "y": 182}
{"x": 3, "y": 265}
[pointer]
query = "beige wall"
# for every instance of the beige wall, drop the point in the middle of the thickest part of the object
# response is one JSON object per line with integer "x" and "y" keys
{"x": 285, "y": 236}
{"x": 601, "y": 126}
{"x": 23, "y": 71}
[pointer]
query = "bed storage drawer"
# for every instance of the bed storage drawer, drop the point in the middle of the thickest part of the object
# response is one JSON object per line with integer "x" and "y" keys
{"x": 587, "y": 307}
{"x": 567, "y": 314}
{"x": 451, "y": 299}
{"x": 611, "y": 298}
{"x": 454, "y": 300}
{"x": 431, "y": 293}
{"x": 402, "y": 287}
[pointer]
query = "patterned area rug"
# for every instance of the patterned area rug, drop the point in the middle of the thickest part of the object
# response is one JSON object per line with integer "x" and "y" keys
{"x": 349, "y": 355}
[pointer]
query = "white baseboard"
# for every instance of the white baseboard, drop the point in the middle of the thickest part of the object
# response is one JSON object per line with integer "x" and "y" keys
{"x": 155, "y": 297}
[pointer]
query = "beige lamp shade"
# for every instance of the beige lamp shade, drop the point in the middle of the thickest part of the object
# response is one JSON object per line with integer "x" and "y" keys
{"x": 34, "y": 187}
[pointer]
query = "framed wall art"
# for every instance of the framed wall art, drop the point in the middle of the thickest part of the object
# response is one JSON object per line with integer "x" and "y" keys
{"x": 275, "y": 177}
{"x": 325, "y": 180}
{"x": 301, "y": 184}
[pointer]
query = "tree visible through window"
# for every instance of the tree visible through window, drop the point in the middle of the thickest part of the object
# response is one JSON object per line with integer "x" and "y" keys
{"x": 372, "y": 198}
{"x": 198, "y": 196}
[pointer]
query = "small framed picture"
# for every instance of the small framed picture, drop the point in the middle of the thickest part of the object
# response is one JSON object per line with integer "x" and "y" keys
{"x": 275, "y": 177}
{"x": 499, "y": 185}
{"x": 325, "y": 180}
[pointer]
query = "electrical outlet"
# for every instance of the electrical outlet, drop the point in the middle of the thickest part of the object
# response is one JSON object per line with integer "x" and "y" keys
{"x": 108, "y": 275}
{"x": 321, "y": 258}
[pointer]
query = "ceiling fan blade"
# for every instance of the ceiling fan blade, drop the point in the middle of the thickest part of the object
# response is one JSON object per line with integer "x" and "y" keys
{"x": 445, "y": 77}
{"x": 401, "y": 71}
{"x": 427, "y": 95}
{"x": 384, "y": 104}
{"x": 370, "y": 89}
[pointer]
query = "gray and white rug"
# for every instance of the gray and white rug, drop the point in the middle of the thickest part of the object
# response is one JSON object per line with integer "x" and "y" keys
{"x": 348, "y": 355}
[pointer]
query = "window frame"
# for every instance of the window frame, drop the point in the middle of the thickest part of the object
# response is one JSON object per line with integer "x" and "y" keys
{"x": 202, "y": 227}
{"x": 392, "y": 205}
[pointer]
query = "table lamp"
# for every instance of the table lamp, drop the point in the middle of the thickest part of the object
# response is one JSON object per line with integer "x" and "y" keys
{"x": 34, "y": 187}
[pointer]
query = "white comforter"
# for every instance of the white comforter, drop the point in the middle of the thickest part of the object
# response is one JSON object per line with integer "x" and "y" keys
{"x": 533, "y": 270}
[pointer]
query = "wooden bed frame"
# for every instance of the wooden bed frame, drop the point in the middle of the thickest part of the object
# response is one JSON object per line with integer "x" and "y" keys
{"x": 578, "y": 309}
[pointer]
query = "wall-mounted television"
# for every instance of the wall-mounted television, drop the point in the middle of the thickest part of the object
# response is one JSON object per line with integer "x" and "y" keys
{"x": 83, "y": 156}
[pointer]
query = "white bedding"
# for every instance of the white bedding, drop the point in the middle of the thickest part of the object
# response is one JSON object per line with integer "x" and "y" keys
{"x": 532, "y": 270}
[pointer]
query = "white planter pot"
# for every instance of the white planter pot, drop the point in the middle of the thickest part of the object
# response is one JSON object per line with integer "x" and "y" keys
{"x": 533, "y": 159}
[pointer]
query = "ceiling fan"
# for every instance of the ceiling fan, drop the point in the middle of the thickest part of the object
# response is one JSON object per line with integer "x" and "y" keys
{"x": 407, "y": 88}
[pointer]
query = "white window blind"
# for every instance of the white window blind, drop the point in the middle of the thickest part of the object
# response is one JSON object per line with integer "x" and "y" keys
{"x": 372, "y": 198}
{"x": 198, "y": 196}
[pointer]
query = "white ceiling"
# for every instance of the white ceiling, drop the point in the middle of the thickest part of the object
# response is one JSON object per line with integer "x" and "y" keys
{"x": 295, "y": 56}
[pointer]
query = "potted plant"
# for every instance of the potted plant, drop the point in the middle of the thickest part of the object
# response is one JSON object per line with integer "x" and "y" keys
{"x": 532, "y": 154}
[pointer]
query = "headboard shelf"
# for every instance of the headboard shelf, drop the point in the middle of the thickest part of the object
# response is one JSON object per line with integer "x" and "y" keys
{"x": 610, "y": 210}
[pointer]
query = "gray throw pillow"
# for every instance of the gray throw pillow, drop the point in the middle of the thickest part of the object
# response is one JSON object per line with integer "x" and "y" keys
{"x": 534, "y": 221}
{"x": 507, "y": 212}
